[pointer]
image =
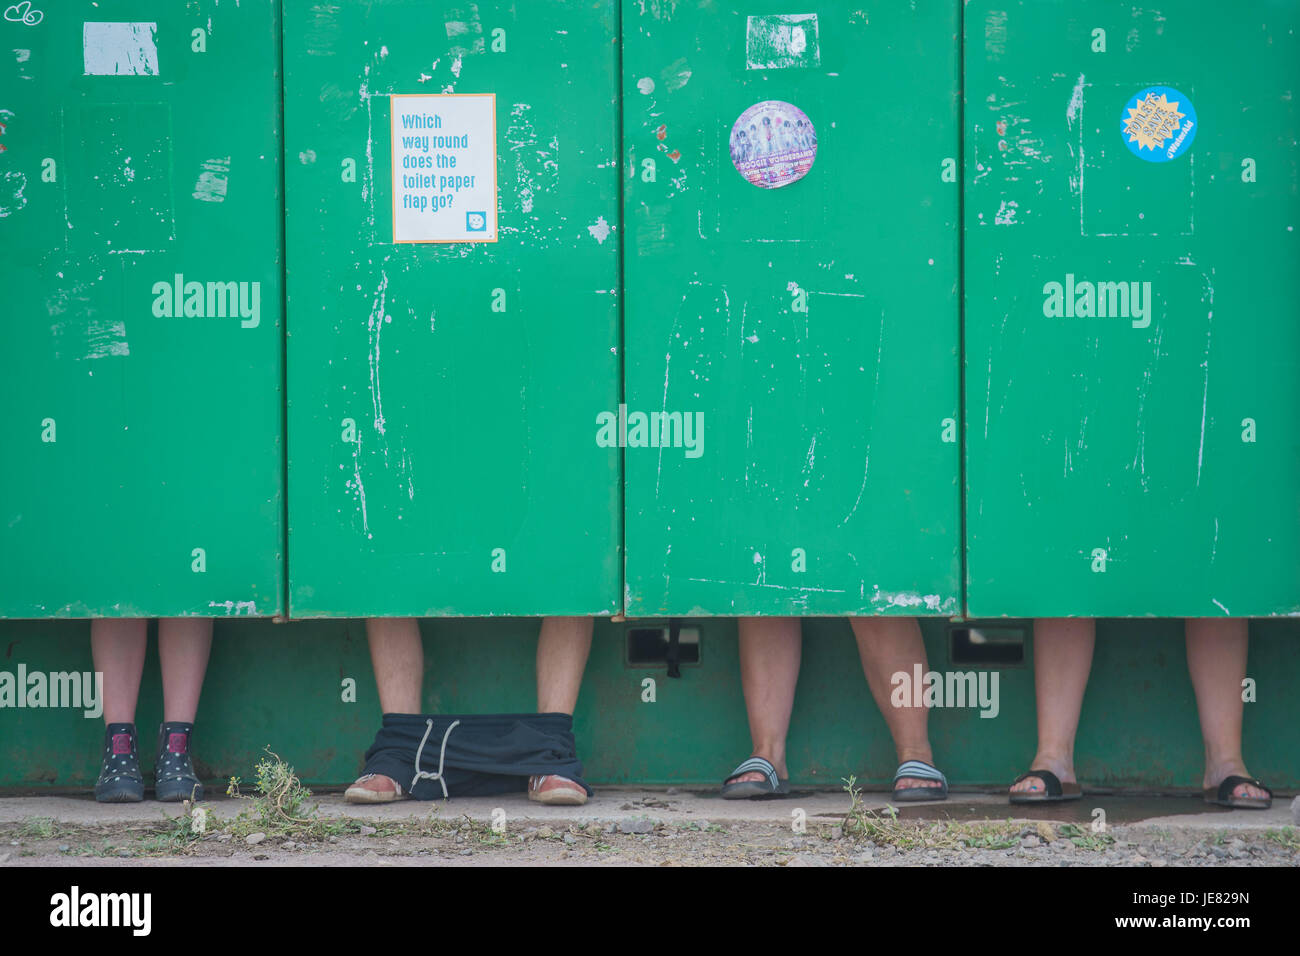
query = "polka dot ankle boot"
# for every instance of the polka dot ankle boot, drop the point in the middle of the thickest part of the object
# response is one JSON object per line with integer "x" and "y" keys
{"x": 174, "y": 777}
{"x": 120, "y": 780}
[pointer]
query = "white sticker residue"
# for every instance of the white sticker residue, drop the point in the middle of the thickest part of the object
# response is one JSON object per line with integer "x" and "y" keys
{"x": 212, "y": 182}
{"x": 599, "y": 230}
{"x": 444, "y": 167}
{"x": 120, "y": 49}
{"x": 782, "y": 41}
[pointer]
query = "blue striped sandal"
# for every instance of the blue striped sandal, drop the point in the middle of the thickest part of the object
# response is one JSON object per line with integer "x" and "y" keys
{"x": 919, "y": 770}
{"x": 772, "y": 786}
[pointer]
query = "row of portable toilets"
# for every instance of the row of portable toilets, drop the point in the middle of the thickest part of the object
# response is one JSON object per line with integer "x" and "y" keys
{"x": 656, "y": 308}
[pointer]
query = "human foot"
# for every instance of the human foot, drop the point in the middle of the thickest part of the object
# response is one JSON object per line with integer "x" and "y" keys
{"x": 757, "y": 776}
{"x": 1050, "y": 778}
{"x": 556, "y": 791}
{"x": 373, "y": 788}
{"x": 1247, "y": 792}
{"x": 919, "y": 780}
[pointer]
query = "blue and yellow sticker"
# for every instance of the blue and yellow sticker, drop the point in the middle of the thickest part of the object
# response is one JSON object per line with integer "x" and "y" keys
{"x": 1158, "y": 124}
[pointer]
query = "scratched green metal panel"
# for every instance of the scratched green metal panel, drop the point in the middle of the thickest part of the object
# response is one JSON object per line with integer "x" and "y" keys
{"x": 1161, "y": 443}
{"x": 280, "y": 685}
{"x": 824, "y": 430}
{"x": 139, "y": 153}
{"x": 475, "y": 431}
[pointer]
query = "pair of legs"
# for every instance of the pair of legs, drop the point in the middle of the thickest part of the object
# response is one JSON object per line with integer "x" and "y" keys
{"x": 770, "y": 652}
{"x": 397, "y": 656}
{"x": 1216, "y": 660}
{"x": 118, "y": 649}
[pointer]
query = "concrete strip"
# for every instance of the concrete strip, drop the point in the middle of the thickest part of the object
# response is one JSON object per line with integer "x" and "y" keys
{"x": 612, "y": 805}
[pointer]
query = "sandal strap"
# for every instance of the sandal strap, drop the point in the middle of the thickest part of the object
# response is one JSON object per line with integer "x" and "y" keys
{"x": 1050, "y": 780}
{"x": 919, "y": 770}
{"x": 756, "y": 765}
{"x": 1233, "y": 781}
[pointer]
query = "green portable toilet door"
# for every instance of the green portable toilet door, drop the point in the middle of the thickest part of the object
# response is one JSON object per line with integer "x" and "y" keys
{"x": 140, "y": 356}
{"x": 453, "y": 231}
{"x": 1132, "y": 351}
{"x": 791, "y": 326}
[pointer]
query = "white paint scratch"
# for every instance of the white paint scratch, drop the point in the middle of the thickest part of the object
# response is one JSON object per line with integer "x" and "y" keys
{"x": 375, "y": 325}
{"x": 1205, "y": 365}
{"x": 911, "y": 599}
{"x": 1076, "y": 103}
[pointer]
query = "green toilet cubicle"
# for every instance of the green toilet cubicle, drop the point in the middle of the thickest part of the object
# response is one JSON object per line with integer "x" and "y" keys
{"x": 140, "y": 353}
{"x": 1132, "y": 349}
{"x": 453, "y": 292}
{"x": 791, "y": 309}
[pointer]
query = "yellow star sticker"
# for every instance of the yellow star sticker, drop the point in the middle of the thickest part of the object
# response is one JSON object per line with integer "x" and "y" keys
{"x": 1154, "y": 120}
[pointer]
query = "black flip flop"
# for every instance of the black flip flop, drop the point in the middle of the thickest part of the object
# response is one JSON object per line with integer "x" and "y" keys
{"x": 1222, "y": 795}
{"x": 771, "y": 786}
{"x": 1057, "y": 792}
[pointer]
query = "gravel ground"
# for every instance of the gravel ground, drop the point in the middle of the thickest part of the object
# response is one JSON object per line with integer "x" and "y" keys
{"x": 646, "y": 829}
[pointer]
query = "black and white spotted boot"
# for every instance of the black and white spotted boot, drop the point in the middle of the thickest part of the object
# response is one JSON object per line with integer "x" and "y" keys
{"x": 174, "y": 777}
{"x": 120, "y": 780}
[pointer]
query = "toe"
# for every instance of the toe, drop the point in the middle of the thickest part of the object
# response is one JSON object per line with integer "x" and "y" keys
{"x": 1248, "y": 791}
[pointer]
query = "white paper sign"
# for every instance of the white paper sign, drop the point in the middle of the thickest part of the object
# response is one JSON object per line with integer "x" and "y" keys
{"x": 444, "y": 167}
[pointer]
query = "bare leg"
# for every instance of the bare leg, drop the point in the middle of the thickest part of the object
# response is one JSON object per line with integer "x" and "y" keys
{"x": 397, "y": 656}
{"x": 887, "y": 646}
{"x": 183, "y": 647}
{"x": 117, "y": 647}
{"x": 1062, "y": 661}
{"x": 770, "y": 649}
{"x": 562, "y": 649}
{"x": 1216, "y": 660}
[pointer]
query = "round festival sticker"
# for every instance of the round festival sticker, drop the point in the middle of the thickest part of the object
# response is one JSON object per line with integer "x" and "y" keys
{"x": 773, "y": 144}
{"x": 1158, "y": 124}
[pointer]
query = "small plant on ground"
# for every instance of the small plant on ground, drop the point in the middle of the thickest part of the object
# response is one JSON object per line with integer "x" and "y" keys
{"x": 883, "y": 828}
{"x": 38, "y": 828}
{"x": 1288, "y": 837}
{"x": 279, "y": 807}
{"x": 177, "y": 835}
{"x": 1084, "y": 838}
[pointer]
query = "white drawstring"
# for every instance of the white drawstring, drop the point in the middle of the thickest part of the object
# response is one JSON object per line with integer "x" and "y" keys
{"x": 420, "y": 774}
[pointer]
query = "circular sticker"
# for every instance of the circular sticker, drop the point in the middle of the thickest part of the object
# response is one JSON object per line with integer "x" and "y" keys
{"x": 1158, "y": 124}
{"x": 773, "y": 144}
